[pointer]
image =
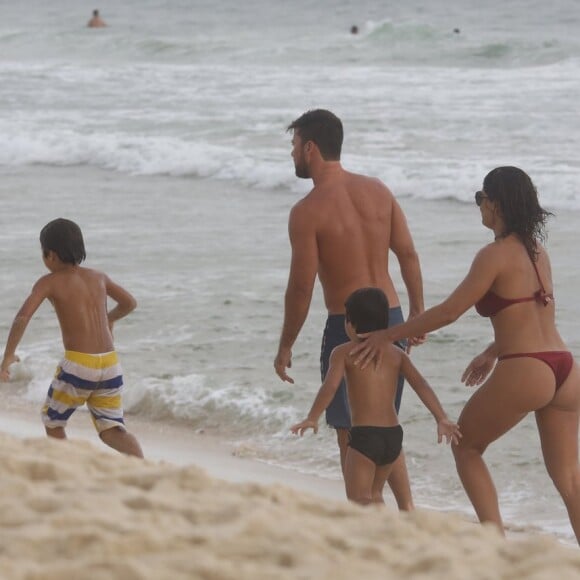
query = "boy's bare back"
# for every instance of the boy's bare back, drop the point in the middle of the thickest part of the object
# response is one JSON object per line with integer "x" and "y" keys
{"x": 372, "y": 391}
{"x": 79, "y": 296}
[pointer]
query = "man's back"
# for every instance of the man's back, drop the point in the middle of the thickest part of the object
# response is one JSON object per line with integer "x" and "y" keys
{"x": 351, "y": 216}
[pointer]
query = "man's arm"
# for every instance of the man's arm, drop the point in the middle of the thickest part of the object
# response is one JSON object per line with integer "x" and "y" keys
{"x": 303, "y": 269}
{"x": 403, "y": 247}
{"x": 39, "y": 292}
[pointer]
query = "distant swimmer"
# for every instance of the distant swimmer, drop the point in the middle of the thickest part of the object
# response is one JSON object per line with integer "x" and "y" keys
{"x": 354, "y": 29}
{"x": 96, "y": 21}
{"x": 456, "y": 30}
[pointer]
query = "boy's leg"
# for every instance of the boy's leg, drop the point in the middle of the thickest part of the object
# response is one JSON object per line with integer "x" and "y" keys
{"x": 400, "y": 485}
{"x": 122, "y": 441}
{"x": 56, "y": 432}
{"x": 61, "y": 402}
{"x": 106, "y": 408}
{"x": 359, "y": 474}
{"x": 399, "y": 477}
{"x": 342, "y": 437}
{"x": 382, "y": 473}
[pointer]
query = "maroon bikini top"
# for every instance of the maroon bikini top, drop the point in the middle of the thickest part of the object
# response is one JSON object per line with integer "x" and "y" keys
{"x": 491, "y": 303}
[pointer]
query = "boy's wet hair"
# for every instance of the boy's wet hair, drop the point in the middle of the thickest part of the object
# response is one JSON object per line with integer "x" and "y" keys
{"x": 367, "y": 309}
{"x": 65, "y": 239}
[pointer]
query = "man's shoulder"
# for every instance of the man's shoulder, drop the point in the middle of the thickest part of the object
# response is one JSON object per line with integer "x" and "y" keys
{"x": 368, "y": 181}
{"x": 304, "y": 209}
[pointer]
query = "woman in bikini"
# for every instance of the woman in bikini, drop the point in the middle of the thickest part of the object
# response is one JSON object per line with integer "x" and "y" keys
{"x": 509, "y": 282}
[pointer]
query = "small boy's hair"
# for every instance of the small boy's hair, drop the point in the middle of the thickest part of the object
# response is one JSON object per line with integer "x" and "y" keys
{"x": 65, "y": 239}
{"x": 367, "y": 309}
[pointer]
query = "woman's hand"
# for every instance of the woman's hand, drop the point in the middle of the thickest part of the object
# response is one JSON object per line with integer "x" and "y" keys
{"x": 371, "y": 348}
{"x": 415, "y": 340}
{"x": 478, "y": 369}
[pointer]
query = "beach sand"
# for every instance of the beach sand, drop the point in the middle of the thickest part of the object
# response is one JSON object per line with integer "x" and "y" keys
{"x": 194, "y": 509}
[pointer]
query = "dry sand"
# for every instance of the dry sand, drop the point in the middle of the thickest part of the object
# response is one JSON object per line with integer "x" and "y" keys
{"x": 73, "y": 509}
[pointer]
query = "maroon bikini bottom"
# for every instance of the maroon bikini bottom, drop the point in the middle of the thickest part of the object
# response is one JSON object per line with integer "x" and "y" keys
{"x": 560, "y": 361}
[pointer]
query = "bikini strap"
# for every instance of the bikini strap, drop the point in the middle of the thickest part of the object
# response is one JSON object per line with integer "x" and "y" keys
{"x": 541, "y": 295}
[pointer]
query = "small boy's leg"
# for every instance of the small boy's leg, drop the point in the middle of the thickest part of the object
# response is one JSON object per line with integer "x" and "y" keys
{"x": 122, "y": 441}
{"x": 359, "y": 474}
{"x": 342, "y": 438}
{"x": 399, "y": 484}
{"x": 382, "y": 473}
{"x": 56, "y": 432}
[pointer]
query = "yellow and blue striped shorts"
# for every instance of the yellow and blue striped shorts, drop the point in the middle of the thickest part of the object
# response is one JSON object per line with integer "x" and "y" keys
{"x": 94, "y": 379}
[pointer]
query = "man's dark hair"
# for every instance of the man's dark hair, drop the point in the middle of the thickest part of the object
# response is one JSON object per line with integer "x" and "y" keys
{"x": 367, "y": 309}
{"x": 65, "y": 239}
{"x": 324, "y": 129}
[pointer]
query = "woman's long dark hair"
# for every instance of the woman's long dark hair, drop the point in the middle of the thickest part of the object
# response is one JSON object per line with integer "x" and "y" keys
{"x": 517, "y": 198}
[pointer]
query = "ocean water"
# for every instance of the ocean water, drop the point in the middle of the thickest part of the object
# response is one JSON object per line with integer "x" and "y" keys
{"x": 163, "y": 135}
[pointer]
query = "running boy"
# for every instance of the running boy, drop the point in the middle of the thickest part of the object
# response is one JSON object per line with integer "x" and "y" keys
{"x": 89, "y": 372}
{"x": 375, "y": 437}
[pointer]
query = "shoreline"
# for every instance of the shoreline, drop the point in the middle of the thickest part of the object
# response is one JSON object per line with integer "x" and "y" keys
{"x": 179, "y": 446}
{"x": 70, "y": 508}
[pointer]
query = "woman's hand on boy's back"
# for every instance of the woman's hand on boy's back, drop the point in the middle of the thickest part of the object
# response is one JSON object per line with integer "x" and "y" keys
{"x": 371, "y": 348}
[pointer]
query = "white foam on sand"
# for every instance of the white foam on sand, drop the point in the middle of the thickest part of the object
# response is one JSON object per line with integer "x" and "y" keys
{"x": 73, "y": 509}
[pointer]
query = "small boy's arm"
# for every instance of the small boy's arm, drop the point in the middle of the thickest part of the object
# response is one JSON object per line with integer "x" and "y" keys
{"x": 21, "y": 320}
{"x": 445, "y": 427}
{"x": 126, "y": 303}
{"x": 329, "y": 386}
{"x": 325, "y": 393}
{"x": 424, "y": 391}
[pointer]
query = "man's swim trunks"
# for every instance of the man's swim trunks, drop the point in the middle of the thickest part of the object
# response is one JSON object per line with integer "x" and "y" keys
{"x": 338, "y": 412}
{"x": 382, "y": 445}
{"x": 94, "y": 379}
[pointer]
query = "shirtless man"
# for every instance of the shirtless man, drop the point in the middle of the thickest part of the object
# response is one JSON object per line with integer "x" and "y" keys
{"x": 342, "y": 231}
{"x": 89, "y": 372}
{"x": 96, "y": 21}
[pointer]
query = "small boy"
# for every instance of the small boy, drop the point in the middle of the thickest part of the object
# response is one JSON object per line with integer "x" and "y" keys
{"x": 89, "y": 372}
{"x": 375, "y": 437}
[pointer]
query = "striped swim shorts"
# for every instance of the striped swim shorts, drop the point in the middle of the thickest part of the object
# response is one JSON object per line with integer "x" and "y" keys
{"x": 94, "y": 379}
